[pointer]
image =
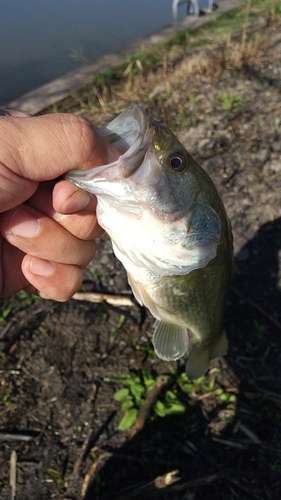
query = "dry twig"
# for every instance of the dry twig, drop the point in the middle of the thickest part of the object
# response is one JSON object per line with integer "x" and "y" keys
{"x": 232, "y": 444}
{"x": 91, "y": 472}
{"x": 250, "y": 434}
{"x": 157, "y": 488}
{"x": 153, "y": 489}
{"x": 82, "y": 453}
{"x": 5, "y": 436}
{"x": 13, "y": 474}
{"x": 96, "y": 297}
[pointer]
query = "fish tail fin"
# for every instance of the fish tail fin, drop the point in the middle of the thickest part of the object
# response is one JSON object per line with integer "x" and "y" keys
{"x": 201, "y": 354}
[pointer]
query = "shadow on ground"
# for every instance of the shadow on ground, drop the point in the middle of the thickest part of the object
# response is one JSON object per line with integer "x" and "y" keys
{"x": 214, "y": 457}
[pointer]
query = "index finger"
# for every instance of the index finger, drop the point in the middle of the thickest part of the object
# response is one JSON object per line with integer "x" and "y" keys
{"x": 45, "y": 147}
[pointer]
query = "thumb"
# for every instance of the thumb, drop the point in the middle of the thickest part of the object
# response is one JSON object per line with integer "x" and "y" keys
{"x": 34, "y": 149}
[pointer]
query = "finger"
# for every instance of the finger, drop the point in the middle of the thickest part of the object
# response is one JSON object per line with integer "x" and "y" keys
{"x": 37, "y": 235}
{"x": 68, "y": 199}
{"x": 83, "y": 225}
{"x": 51, "y": 280}
{"x": 12, "y": 279}
{"x": 45, "y": 147}
{"x": 44, "y": 278}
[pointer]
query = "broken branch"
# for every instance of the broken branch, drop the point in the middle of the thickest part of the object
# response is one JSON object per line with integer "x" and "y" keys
{"x": 97, "y": 298}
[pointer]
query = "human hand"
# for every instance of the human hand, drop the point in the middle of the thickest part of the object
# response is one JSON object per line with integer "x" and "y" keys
{"x": 47, "y": 227}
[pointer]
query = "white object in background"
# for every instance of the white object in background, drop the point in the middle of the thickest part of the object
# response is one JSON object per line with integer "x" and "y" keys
{"x": 192, "y": 7}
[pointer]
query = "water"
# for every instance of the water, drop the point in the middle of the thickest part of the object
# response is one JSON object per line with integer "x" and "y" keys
{"x": 41, "y": 40}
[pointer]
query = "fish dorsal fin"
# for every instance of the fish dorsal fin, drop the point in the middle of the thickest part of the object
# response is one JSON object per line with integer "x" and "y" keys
{"x": 201, "y": 354}
{"x": 170, "y": 341}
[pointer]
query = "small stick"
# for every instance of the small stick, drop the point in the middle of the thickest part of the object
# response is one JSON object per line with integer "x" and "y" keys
{"x": 11, "y": 407}
{"x": 13, "y": 474}
{"x": 4, "y": 436}
{"x": 91, "y": 438}
{"x": 82, "y": 453}
{"x": 151, "y": 489}
{"x": 91, "y": 472}
{"x": 5, "y": 329}
{"x": 114, "y": 300}
{"x": 151, "y": 398}
{"x": 10, "y": 372}
{"x": 251, "y": 435}
{"x": 201, "y": 481}
{"x": 156, "y": 489}
{"x": 233, "y": 444}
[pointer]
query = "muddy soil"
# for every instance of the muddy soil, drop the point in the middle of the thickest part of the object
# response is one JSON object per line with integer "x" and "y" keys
{"x": 58, "y": 417}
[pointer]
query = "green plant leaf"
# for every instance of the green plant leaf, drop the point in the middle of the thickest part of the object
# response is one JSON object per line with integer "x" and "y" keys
{"x": 137, "y": 390}
{"x": 128, "y": 420}
{"x": 121, "y": 394}
{"x": 5, "y": 400}
{"x": 187, "y": 387}
{"x": 116, "y": 378}
{"x": 160, "y": 409}
{"x": 54, "y": 473}
{"x": 175, "y": 409}
{"x": 120, "y": 321}
{"x": 133, "y": 380}
{"x": 171, "y": 396}
{"x": 146, "y": 375}
{"x": 127, "y": 405}
{"x": 150, "y": 384}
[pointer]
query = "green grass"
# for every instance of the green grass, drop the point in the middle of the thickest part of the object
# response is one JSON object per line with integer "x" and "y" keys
{"x": 174, "y": 399}
{"x": 211, "y": 34}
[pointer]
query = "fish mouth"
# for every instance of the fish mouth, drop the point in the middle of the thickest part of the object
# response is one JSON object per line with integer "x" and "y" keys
{"x": 127, "y": 129}
{"x": 130, "y": 134}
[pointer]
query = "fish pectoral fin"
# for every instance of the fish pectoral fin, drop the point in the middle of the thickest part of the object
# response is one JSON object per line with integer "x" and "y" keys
{"x": 200, "y": 356}
{"x": 137, "y": 288}
{"x": 170, "y": 340}
{"x": 142, "y": 296}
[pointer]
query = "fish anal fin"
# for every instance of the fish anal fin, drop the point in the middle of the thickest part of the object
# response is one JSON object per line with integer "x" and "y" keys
{"x": 201, "y": 354}
{"x": 170, "y": 340}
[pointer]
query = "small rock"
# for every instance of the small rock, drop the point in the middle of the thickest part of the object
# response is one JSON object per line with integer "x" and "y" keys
{"x": 191, "y": 138}
{"x": 105, "y": 260}
{"x": 263, "y": 155}
{"x": 203, "y": 143}
{"x": 274, "y": 165}
{"x": 276, "y": 146}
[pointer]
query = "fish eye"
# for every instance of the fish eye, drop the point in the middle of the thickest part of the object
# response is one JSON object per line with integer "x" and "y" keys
{"x": 177, "y": 162}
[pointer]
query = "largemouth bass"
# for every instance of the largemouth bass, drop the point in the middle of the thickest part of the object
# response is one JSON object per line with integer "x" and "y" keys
{"x": 169, "y": 228}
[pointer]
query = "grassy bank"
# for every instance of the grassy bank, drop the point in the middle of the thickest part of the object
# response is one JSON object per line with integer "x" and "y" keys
{"x": 234, "y": 35}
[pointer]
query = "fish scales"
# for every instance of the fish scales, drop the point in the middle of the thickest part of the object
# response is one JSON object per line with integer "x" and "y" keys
{"x": 169, "y": 228}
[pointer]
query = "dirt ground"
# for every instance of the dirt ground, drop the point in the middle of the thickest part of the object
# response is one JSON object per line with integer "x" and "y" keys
{"x": 58, "y": 417}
